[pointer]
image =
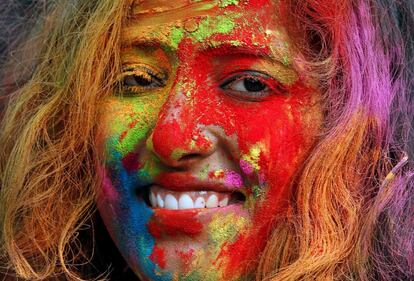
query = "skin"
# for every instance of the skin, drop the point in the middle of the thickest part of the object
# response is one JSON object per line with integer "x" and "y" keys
{"x": 183, "y": 119}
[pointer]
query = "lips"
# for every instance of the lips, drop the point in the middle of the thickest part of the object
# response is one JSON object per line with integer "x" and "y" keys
{"x": 186, "y": 192}
{"x": 181, "y": 181}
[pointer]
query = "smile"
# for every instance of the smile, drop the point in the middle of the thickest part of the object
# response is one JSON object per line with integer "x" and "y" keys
{"x": 163, "y": 198}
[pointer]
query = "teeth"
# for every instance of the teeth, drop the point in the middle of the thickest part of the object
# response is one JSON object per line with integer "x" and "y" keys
{"x": 160, "y": 202}
{"x": 174, "y": 200}
{"x": 224, "y": 202}
{"x": 200, "y": 203}
{"x": 212, "y": 202}
{"x": 170, "y": 202}
{"x": 153, "y": 199}
{"x": 185, "y": 202}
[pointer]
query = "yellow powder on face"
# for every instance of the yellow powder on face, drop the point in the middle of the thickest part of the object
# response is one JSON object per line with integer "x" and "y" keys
{"x": 253, "y": 157}
{"x": 223, "y": 229}
{"x": 219, "y": 173}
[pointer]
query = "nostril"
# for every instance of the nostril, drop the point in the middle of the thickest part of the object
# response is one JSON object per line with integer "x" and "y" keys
{"x": 189, "y": 157}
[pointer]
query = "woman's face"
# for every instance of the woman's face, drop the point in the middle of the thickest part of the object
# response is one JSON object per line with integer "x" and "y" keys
{"x": 213, "y": 119}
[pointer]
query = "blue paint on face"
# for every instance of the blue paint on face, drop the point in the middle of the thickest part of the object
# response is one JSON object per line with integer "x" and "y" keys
{"x": 127, "y": 218}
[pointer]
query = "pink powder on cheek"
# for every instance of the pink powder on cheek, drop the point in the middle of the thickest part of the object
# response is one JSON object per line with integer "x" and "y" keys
{"x": 108, "y": 191}
{"x": 246, "y": 167}
{"x": 233, "y": 179}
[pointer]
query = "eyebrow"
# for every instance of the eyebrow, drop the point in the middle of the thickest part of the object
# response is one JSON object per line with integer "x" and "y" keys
{"x": 229, "y": 47}
{"x": 232, "y": 48}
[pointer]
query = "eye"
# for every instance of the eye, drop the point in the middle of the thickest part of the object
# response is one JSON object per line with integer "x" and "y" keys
{"x": 141, "y": 79}
{"x": 252, "y": 85}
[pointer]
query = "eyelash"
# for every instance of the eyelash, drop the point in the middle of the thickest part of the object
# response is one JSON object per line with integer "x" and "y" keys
{"x": 152, "y": 80}
{"x": 148, "y": 78}
{"x": 270, "y": 86}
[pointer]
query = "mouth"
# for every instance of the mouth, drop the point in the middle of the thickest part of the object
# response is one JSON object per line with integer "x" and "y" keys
{"x": 161, "y": 198}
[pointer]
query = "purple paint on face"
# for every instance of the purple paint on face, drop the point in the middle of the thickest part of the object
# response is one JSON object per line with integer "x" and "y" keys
{"x": 246, "y": 167}
{"x": 231, "y": 178}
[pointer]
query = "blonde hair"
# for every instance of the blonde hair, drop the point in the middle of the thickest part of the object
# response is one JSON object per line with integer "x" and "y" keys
{"x": 47, "y": 168}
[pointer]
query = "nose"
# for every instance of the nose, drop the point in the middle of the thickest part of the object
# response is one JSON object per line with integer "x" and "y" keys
{"x": 179, "y": 139}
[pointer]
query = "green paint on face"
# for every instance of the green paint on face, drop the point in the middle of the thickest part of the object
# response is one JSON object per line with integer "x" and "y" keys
{"x": 152, "y": 167}
{"x": 176, "y": 35}
{"x": 286, "y": 60}
{"x": 257, "y": 191}
{"x": 225, "y": 3}
{"x": 204, "y": 172}
{"x": 210, "y": 26}
{"x": 178, "y": 153}
{"x": 206, "y": 28}
{"x": 137, "y": 118}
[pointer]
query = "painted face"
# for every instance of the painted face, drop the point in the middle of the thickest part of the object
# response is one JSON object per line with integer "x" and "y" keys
{"x": 212, "y": 119}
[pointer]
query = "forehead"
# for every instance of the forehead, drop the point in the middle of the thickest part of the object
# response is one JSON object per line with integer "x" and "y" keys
{"x": 252, "y": 22}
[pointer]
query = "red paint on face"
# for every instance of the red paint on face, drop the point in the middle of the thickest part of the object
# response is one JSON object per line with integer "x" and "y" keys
{"x": 186, "y": 257}
{"x": 154, "y": 229}
{"x": 275, "y": 121}
{"x": 131, "y": 162}
{"x": 202, "y": 124}
{"x": 172, "y": 223}
{"x": 158, "y": 257}
{"x": 130, "y": 126}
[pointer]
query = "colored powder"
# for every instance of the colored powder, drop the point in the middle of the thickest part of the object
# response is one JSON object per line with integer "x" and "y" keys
{"x": 210, "y": 26}
{"x": 130, "y": 162}
{"x": 152, "y": 167}
{"x": 257, "y": 191}
{"x": 217, "y": 174}
{"x": 210, "y": 275}
{"x": 253, "y": 157}
{"x": 108, "y": 190}
{"x": 184, "y": 223}
{"x": 206, "y": 28}
{"x": 193, "y": 276}
{"x": 225, "y": 3}
{"x": 233, "y": 179}
{"x": 225, "y": 229}
{"x": 246, "y": 167}
{"x": 234, "y": 43}
{"x": 158, "y": 257}
{"x": 176, "y": 35}
{"x": 186, "y": 257}
{"x": 177, "y": 153}
{"x": 193, "y": 144}
{"x": 154, "y": 229}
{"x": 204, "y": 172}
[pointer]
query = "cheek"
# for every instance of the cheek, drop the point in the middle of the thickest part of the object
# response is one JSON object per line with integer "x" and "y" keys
{"x": 271, "y": 135}
{"x": 125, "y": 124}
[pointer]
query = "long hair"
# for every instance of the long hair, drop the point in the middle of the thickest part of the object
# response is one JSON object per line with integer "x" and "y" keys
{"x": 53, "y": 85}
{"x": 352, "y": 201}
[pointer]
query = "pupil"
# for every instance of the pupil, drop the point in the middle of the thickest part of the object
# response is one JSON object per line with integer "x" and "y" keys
{"x": 253, "y": 85}
{"x": 142, "y": 81}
